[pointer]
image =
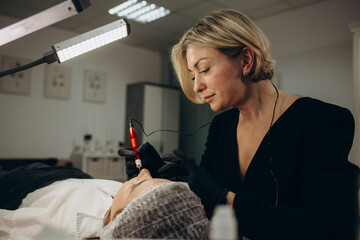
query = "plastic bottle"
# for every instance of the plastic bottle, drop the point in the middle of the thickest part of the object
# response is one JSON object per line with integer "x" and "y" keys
{"x": 223, "y": 224}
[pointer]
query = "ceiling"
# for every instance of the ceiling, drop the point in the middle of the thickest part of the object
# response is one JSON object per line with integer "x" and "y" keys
{"x": 160, "y": 34}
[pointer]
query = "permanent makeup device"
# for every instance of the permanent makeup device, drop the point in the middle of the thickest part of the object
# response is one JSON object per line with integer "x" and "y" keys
{"x": 134, "y": 145}
{"x": 134, "y": 140}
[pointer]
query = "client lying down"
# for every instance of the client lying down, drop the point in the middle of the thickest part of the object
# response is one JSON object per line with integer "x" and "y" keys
{"x": 147, "y": 207}
{"x": 72, "y": 202}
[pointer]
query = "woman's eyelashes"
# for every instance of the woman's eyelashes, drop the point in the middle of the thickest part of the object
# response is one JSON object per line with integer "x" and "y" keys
{"x": 205, "y": 71}
{"x": 201, "y": 72}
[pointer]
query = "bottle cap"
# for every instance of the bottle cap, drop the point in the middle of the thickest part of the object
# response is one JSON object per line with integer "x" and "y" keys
{"x": 223, "y": 224}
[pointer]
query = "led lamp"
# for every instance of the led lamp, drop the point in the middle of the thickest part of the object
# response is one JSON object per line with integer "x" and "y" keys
{"x": 79, "y": 45}
{"x": 91, "y": 40}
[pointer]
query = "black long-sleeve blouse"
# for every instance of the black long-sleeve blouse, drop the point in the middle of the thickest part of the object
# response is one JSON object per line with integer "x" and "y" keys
{"x": 317, "y": 185}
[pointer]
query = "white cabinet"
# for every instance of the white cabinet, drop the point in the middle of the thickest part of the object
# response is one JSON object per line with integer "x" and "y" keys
{"x": 105, "y": 167}
{"x": 101, "y": 166}
{"x": 156, "y": 107}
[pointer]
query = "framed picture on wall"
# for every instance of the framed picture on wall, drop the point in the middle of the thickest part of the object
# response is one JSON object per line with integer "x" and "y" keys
{"x": 15, "y": 83}
{"x": 57, "y": 81}
{"x": 94, "y": 88}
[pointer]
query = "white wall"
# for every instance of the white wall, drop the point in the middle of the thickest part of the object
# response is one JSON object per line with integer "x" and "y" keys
{"x": 324, "y": 73}
{"x": 313, "y": 49}
{"x": 35, "y": 126}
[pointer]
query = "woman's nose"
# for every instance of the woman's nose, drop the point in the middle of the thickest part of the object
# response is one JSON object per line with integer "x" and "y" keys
{"x": 199, "y": 85}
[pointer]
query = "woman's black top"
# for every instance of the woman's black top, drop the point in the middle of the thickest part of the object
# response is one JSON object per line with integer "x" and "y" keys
{"x": 317, "y": 185}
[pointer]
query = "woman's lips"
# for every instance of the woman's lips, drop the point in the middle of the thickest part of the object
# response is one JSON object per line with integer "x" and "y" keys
{"x": 208, "y": 98}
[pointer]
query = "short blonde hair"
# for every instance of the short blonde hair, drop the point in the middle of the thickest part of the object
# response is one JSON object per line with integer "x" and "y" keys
{"x": 228, "y": 31}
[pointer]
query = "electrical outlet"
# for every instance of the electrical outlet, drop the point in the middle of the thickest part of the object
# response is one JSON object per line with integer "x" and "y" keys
{"x": 57, "y": 82}
{"x": 94, "y": 86}
{"x": 16, "y": 83}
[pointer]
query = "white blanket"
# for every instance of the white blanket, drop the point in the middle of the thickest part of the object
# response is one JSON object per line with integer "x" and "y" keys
{"x": 73, "y": 206}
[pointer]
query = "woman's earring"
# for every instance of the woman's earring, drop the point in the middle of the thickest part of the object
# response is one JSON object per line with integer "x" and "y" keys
{"x": 246, "y": 74}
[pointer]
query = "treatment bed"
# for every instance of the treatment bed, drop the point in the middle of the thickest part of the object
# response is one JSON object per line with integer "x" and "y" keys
{"x": 39, "y": 195}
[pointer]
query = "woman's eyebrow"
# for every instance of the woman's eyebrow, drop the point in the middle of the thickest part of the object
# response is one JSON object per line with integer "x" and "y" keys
{"x": 197, "y": 62}
{"x": 136, "y": 185}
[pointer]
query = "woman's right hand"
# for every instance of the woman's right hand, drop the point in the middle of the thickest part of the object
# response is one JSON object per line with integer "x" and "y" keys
{"x": 130, "y": 156}
{"x": 150, "y": 159}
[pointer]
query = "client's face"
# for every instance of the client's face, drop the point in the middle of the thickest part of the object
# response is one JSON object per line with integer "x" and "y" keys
{"x": 132, "y": 188}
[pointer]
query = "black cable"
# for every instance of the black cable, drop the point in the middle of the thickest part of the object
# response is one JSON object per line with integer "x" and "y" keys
{"x": 24, "y": 67}
{"x": 269, "y": 149}
{"x": 166, "y": 130}
{"x": 49, "y": 57}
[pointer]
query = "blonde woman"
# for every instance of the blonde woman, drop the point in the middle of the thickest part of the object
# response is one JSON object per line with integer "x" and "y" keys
{"x": 280, "y": 160}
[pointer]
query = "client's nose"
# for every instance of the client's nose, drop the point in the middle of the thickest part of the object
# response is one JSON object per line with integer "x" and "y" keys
{"x": 144, "y": 174}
